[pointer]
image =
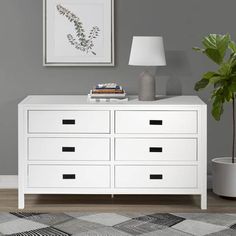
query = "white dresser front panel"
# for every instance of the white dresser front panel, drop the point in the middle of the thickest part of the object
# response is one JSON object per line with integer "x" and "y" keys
{"x": 145, "y": 122}
{"x": 155, "y": 149}
{"x": 69, "y": 145}
{"x": 69, "y": 149}
{"x": 68, "y": 176}
{"x": 156, "y": 176}
{"x": 69, "y": 122}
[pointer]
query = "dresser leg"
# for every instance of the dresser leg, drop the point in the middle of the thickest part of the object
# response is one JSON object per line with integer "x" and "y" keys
{"x": 21, "y": 201}
{"x": 204, "y": 201}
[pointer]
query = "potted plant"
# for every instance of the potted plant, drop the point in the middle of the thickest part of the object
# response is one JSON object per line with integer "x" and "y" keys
{"x": 222, "y": 51}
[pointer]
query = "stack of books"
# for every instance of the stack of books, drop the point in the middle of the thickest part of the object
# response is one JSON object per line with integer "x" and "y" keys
{"x": 110, "y": 92}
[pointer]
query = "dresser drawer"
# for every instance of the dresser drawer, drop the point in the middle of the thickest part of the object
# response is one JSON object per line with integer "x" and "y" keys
{"x": 69, "y": 121}
{"x": 59, "y": 176}
{"x": 137, "y": 149}
{"x": 69, "y": 149}
{"x": 170, "y": 122}
{"x": 156, "y": 176}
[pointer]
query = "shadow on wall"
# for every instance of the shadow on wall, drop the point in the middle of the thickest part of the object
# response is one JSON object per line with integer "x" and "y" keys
{"x": 177, "y": 66}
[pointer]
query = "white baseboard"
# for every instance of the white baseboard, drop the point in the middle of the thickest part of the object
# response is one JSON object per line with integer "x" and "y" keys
{"x": 11, "y": 181}
{"x": 8, "y": 181}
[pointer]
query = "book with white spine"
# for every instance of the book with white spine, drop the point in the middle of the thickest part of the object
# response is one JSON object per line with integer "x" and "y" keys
{"x": 107, "y": 95}
{"x": 91, "y": 99}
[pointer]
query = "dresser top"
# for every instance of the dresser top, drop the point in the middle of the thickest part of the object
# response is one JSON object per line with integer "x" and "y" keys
{"x": 133, "y": 100}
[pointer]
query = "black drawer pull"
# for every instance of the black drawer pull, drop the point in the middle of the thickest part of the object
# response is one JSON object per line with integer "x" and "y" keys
{"x": 68, "y": 149}
{"x": 68, "y": 122}
{"x": 155, "y": 149}
{"x": 156, "y": 176}
{"x": 68, "y": 176}
{"x": 155, "y": 122}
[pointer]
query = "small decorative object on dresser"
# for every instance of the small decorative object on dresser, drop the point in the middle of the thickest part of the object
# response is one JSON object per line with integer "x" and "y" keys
{"x": 110, "y": 92}
{"x": 221, "y": 49}
{"x": 147, "y": 51}
{"x": 128, "y": 148}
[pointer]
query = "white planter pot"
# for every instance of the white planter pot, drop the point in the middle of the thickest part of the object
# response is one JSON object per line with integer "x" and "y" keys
{"x": 224, "y": 177}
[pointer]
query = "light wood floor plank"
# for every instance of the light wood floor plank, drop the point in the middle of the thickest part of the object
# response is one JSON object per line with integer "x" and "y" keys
{"x": 120, "y": 203}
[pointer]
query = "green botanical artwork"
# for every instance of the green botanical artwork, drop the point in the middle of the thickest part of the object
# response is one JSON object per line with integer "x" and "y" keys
{"x": 80, "y": 41}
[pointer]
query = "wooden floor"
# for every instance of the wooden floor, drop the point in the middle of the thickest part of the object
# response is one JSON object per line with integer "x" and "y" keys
{"x": 120, "y": 203}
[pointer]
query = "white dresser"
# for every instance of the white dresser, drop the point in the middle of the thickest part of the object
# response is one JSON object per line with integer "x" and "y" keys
{"x": 70, "y": 146}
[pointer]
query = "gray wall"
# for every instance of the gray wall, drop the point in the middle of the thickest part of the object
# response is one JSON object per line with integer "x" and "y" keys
{"x": 182, "y": 23}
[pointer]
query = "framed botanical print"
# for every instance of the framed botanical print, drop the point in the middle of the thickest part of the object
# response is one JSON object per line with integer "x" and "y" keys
{"x": 79, "y": 32}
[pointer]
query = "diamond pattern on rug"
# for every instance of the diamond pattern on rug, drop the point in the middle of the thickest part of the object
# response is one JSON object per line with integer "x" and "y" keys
{"x": 77, "y": 226}
{"x": 24, "y": 214}
{"x": 50, "y": 219}
{"x": 19, "y": 225}
{"x": 105, "y": 231}
{"x": 225, "y": 232}
{"x": 167, "y": 232}
{"x": 230, "y": 214}
{"x": 44, "y": 232}
{"x": 136, "y": 227}
{"x": 133, "y": 214}
{"x": 6, "y": 217}
{"x": 161, "y": 219}
{"x": 108, "y": 219}
{"x": 198, "y": 228}
{"x": 233, "y": 226}
{"x": 114, "y": 224}
{"x": 217, "y": 219}
{"x": 79, "y": 214}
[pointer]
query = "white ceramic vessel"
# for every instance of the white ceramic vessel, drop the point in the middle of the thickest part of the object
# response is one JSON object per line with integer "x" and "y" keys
{"x": 224, "y": 176}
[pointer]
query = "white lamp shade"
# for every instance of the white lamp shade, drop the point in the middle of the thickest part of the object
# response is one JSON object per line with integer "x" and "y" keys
{"x": 147, "y": 51}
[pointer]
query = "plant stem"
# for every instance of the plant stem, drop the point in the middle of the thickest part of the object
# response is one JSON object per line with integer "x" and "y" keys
{"x": 233, "y": 147}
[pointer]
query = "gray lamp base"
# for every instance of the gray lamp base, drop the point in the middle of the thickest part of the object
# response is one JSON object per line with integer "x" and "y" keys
{"x": 147, "y": 87}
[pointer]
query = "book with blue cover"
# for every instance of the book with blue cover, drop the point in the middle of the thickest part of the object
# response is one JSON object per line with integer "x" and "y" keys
{"x": 108, "y": 90}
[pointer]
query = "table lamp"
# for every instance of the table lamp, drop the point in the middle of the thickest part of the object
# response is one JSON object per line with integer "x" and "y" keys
{"x": 147, "y": 51}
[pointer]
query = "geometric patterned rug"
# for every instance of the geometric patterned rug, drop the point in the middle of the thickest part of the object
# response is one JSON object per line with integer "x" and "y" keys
{"x": 113, "y": 224}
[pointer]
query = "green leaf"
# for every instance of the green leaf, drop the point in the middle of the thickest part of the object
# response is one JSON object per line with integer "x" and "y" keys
{"x": 213, "y": 77}
{"x": 232, "y": 61}
{"x": 232, "y": 46}
{"x": 214, "y": 55}
{"x": 217, "y": 41}
{"x": 227, "y": 94}
{"x": 232, "y": 87}
{"x": 220, "y": 83}
{"x": 216, "y": 46}
{"x": 201, "y": 84}
{"x": 217, "y": 108}
{"x": 216, "y": 79}
{"x": 225, "y": 69}
{"x": 209, "y": 75}
{"x": 233, "y": 69}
